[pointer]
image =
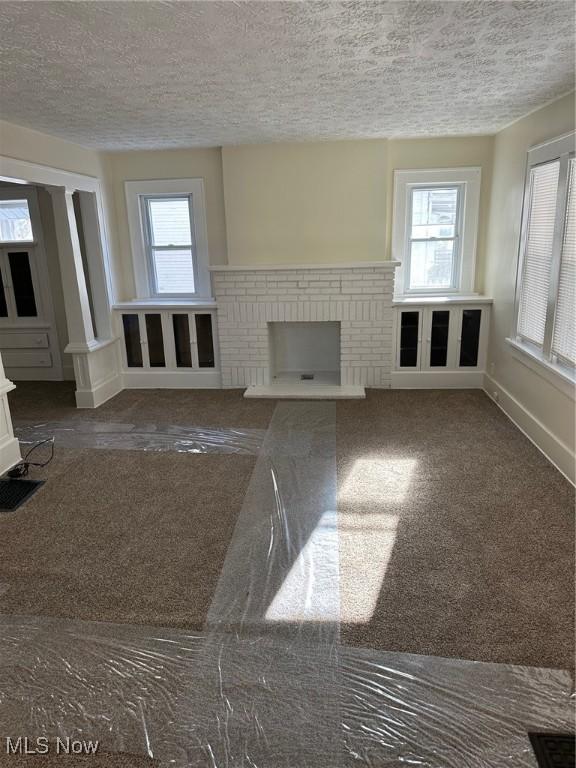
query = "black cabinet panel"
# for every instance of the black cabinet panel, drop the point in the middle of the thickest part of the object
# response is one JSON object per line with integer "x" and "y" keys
{"x": 409, "y": 330}
{"x": 439, "y": 338}
{"x": 470, "y": 337}
{"x": 132, "y": 341}
{"x": 22, "y": 284}
{"x": 155, "y": 341}
{"x": 3, "y": 305}
{"x": 204, "y": 341}
{"x": 182, "y": 341}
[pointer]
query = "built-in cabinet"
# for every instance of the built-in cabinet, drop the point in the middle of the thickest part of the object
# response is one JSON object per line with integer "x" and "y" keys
{"x": 178, "y": 343}
{"x": 440, "y": 344}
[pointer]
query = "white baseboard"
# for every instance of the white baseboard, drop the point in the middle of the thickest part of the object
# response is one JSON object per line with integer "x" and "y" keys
{"x": 34, "y": 374}
{"x": 437, "y": 379}
{"x": 555, "y": 450}
{"x": 162, "y": 379}
{"x": 100, "y": 393}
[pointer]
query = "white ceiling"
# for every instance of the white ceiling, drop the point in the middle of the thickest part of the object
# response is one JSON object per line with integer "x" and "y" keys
{"x": 128, "y": 75}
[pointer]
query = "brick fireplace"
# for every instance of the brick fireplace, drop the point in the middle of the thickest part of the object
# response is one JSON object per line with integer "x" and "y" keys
{"x": 358, "y": 297}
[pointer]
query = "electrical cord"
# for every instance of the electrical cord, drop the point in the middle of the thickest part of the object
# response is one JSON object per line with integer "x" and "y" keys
{"x": 21, "y": 469}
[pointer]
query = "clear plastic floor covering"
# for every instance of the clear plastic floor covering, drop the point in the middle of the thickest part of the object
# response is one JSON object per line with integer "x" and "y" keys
{"x": 268, "y": 684}
{"x": 140, "y": 437}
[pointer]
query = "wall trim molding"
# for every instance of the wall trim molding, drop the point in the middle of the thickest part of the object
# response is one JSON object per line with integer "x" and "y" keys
{"x": 556, "y": 451}
{"x": 35, "y": 173}
{"x": 384, "y": 264}
{"x": 100, "y": 393}
{"x": 437, "y": 379}
{"x": 162, "y": 379}
{"x": 93, "y": 345}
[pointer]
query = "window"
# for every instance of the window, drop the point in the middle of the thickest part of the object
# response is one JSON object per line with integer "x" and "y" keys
{"x": 435, "y": 224}
{"x": 169, "y": 244}
{"x": 167, "y": 221}
{"x": 433, "y": 252}
{"x": 15, "y": 224}
{"x": 546, "y": 286}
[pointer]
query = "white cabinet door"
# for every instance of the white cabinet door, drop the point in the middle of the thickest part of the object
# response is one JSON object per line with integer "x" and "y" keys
{"x": 409, "y": 339}
{"x": 472, "y": 338}
{"x": 439, "y": 338}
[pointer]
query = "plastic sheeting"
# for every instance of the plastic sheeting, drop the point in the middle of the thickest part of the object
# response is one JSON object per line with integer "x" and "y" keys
{"x": 268, "y": 684}
{"x": 197, "y": 700}
{"x": 141, "y": 437}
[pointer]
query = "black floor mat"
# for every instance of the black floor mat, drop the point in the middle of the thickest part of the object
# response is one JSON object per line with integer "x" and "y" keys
{"x": 554, "y": 750}
{"x": 13, "y": 493}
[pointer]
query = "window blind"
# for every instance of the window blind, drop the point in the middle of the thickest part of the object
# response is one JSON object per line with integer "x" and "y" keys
{"x": 537, "y": 261}
{"x": 564, "y": 339}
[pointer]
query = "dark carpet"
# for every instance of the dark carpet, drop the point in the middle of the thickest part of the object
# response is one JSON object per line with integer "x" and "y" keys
{"x": 459, "y": 528}
{"x": 456, "y": 534}
{"x": 123, "y": 536}
{"x": 99, "y": 760}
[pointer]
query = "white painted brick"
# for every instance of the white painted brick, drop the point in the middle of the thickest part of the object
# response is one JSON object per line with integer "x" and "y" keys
{"x": 359, "y": 298}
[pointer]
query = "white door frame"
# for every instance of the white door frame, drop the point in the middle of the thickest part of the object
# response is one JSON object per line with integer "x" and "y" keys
{"x": 96, "y": 367}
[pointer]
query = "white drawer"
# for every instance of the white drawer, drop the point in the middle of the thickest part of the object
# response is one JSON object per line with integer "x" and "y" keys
{"x": 23, "y": 340}
{"x": 24, "y": 359}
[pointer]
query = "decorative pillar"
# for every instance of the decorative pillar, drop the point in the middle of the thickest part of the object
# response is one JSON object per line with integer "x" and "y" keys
{"x": 96, "y": 364}
{"x": 93, "y": 240}
{"x": 76, "y": 303}
{"x": 9, "y": 446}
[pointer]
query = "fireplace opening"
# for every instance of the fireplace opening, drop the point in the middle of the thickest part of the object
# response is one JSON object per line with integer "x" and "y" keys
{"x": 307, "y": 353}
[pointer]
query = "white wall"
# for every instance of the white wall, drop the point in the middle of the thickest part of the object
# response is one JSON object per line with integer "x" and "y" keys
{"x": 305, "y": 347}
{"x": 308, "y": 203}
{"x": 35, "y": 147}
{"x": 453, "y": 152}
{"x": 39, "y": 148}
{"x": 544, "y": 411}
{"x": 164, "y": 164}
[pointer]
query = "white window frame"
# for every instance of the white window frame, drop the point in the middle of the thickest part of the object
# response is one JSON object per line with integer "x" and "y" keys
{"x": 23, "y": 193}
{"x": 136, "y": 194}
{"x": 562, "y": 149}
{"x": 464, "y": 269}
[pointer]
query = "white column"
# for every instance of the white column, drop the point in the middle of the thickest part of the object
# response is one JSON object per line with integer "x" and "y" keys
{"x": 9, "y": 446}
{"x": 93, "y": 242}
{"x": 76, "y": 303}
{"x": 96, "y": 365}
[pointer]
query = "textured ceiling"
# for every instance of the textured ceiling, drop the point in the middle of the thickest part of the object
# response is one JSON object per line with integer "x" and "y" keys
{"x": 127, "y": 75}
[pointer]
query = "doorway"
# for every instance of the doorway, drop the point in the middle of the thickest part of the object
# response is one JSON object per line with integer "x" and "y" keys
{"x": 29, "y": 338}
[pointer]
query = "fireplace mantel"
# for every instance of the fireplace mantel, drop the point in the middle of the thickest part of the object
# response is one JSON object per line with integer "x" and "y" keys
{"x": 302, "y": 267}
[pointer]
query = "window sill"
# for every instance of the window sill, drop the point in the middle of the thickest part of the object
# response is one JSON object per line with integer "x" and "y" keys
{"x": 459, "y": 298}
{"x": 166, "y": 304}
{"x": 558, "y": 376}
